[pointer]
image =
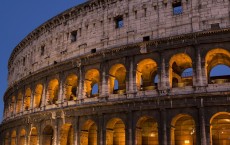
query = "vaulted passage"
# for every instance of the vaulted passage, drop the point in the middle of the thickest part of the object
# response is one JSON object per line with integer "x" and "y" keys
{"x": 53, "y": 91}
{"x": 183, "y": 130}
{"x": 218, "y": 58}
{"x": 117, "y": 79}
{"x": 33, "y": 138}
{"x": 71, "y": 87}
{"x": 220, "y": 129}
{"x": 180, "y": 70}
{"x": 92, "y": 80}
{"x": 38, "y": 96}
{"x": 13, "y": 138}
{"x": 22, "y": 137}
{"x": 47, "y": 136}
{"x": 89, "y": 133}
{"x": 147, "y": 132}
{"x": 115, "y": 132}
{"x": 146, "y": 74}
{"x": 7, "y": 139}
{"x": 19, "y": 103}
{"x": 67, "y": 135}
{"x": 27, "y": 99}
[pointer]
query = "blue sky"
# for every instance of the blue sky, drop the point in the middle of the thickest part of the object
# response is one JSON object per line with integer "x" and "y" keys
{"x": 20, "y": 17}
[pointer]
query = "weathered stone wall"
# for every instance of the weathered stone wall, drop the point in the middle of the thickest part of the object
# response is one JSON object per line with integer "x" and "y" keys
{"x": 94, "y": 22}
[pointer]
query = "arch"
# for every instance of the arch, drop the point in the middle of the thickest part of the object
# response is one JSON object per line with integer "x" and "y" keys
{"x": 71, "y": 87}
{"x": 19, "y": 102}
{"x": 22, "y": 137}
{"x": 33, "y": 136}
{"x": 47, "y": 135}
{"x": 213, "y": 58}
{"x": 183, "y": 130}
{"x": 38, "y": 95}
{"x": 12, "y": 105}
{"x": 177, "y": 65}
{"x": 92, "y": 77}
{"x": 13, "y": 137}
{"x": 117, "y": 72}
{"x": 145, "y": 74}
{"x": 67, "y": 135}
{"x": 27, "y": 99}
{"x": 89, "y": 133}
{"x": 52, "y": 91}
{"x": 147, "y": 131}
{"x": 7, "y": 139}
{"x": 220, "y": 128}
{"x": 115, "y": 132}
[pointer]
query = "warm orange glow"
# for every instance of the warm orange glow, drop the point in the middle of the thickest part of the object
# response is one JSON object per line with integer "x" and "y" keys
{"x": 19, "y": 102}
{"x": 89, "y": 133}
{"x": 146, "y": 72}
{"x": 66, "y": 135}
{"x": 71, "y": 87}
{"x": 33, "y": 136}
{"x": 91, "y": 77}
{"x": 27, "y": 99}
{"x": 117, "y": 72}
{"x": 47, "y": 135}
{"x": 38, "y": 95}
{"x": 53, "y": 91}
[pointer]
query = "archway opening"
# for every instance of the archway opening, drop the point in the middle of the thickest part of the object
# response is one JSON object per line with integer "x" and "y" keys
{"x": 117, "y": 79}
{"x": 53, "y": 92}
{"x": 147, "y": 131}
{"x": 67, "y": 135}
{"x": 71, "y": 87}
{"x": 12, "y": 105}
{"x": 89, "y": 133}
{"x": 13, "y": 138}
{"x": 146, "y": 75}
{"x": 47, "y": 136}
{"x": 92, "y": 82}
{"x": 38, "y": 96}
{"x": 220, "y": 129}
{"x": 115, "y": 132}
{"x": 183, "y": 131}
{"x": 33, "y": 136}
{"x": 27, "y": 99}
{"x": 19, "y": 103}
{"x": 180, "y": 70}
{"x": 220, "y": 74}
{"x": 218, "y": 59}
{"x": 22, "y": 137}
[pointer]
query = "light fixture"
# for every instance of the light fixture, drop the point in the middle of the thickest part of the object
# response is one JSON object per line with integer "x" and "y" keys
{"x": 186, "y": 141}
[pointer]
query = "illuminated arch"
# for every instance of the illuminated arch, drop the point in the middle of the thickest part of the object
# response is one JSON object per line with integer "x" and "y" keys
{"x": 145, "y": 74}
{"x": 146, "y": 131}
{"x": 115, "y": 132}
{"x": 89, "y": 133}
{"x": 214, "y": 57}
{"x": 12, "y": 105}
{"x": 47, "y": 135}
{"x": 53, "y": 91}
{"x": 67, "y": 135}
{"x": 71, "y": 87}
{"x": 27, "y": 99}
{"x": 33, "y": 136}
{"x": 19, "y": 102}
{"x": 22, "y": 137}
{"x": 183, "y": 130}
{"x": 38, "y": 95}
{"x": 92, "y": 78}
{"x": 220, "y": 128}
{"x": 177, "y": 65}
{"x": 117, "y": 73}
{"x": 13, "y": 138}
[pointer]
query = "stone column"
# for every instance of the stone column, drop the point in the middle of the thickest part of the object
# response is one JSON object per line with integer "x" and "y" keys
{"x": 163, "y": 132}
{"x": 101, "y": 130}
{"x": 60, "y": 94}
{"x": 130, "y": 132}
{"x": 76, "y": 132}
{"x": 81, "y": 84}
{"x": 32, "y": 99}
{"x": 104, "y": 81}
{"x": 131, "y": 84}
{"x": 163, "y": 82}
{"x": 203, "y": 136}
{"x": 44, "y": 93}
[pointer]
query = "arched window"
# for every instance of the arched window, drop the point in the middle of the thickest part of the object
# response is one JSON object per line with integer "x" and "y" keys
{"x": 92, "y": 82}
{"x": 71, "y": 88}
{"x": 89, "y": 133}
{"x": 95, "y": 90}
{"x": 53, "y": 89}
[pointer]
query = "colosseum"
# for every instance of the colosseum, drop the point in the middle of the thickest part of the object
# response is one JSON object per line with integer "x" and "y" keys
{"x": 122, "y": 72}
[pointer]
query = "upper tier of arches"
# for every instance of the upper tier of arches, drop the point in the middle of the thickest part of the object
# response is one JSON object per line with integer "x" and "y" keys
{"x": 118, "y": 78}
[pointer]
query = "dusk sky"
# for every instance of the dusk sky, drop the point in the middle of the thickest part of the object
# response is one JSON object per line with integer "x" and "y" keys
{"x": 19, "y": 18}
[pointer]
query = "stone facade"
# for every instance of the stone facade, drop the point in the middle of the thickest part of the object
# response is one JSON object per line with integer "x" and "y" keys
{"x": 112, "y": 73}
